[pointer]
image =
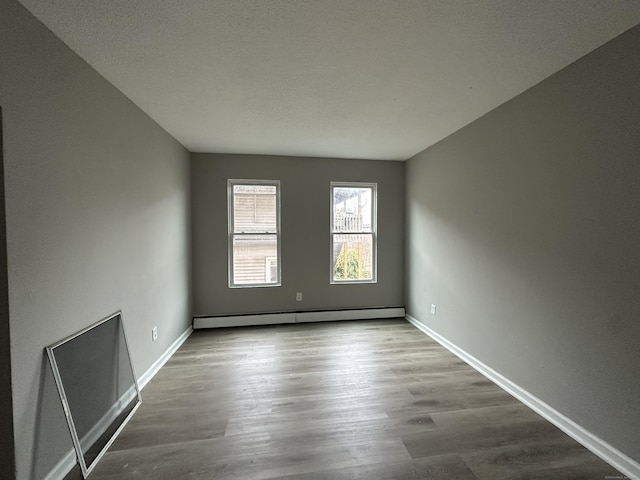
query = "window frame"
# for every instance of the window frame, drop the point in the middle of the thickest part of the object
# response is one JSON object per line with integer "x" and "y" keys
{"x": 374, "y": 232}
{"x": 232, "y": 182}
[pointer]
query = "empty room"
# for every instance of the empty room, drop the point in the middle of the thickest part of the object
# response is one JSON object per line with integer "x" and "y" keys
{"x": 320, "y": 239}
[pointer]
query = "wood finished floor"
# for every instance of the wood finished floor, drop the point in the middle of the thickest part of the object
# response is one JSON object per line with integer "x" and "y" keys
{"x": 364, "y": 400}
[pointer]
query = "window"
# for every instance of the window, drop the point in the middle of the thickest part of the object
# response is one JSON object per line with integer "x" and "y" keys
{"x": 353, "y": 232}
{"x": 254, "y": 233}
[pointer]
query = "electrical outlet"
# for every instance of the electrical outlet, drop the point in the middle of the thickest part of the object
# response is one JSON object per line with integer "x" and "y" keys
{"x": 299, "y": 297}
{"x": 433, "y": 309}
{"x": 154, "y": 334}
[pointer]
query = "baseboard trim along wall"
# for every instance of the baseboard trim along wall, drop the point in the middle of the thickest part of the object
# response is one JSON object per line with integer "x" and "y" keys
{"x": 296, "y": 317}
{"x": 108, "y": 418}
{"x": 66, "y": 463}
{"x": 159, "y": 363}
{"x": 602, "y": 449}
{"x": 63, "y": 467}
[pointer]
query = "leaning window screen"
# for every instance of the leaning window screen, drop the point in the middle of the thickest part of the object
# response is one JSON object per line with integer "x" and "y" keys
{"x": 97, "y": 386}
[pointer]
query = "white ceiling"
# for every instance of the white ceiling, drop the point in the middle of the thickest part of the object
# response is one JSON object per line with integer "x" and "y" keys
{"x": 378, "y": 79}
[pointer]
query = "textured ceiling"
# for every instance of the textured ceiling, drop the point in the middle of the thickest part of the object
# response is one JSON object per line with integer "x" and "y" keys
{"x": 379, "y": 79}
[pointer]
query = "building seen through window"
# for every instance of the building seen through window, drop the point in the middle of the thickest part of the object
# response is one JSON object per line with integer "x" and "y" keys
{"x": 254, "y": 233}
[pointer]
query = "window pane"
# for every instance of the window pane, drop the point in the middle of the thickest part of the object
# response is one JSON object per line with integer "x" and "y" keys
{"x": 253, "y": 259}
{"x": 254, "y": 209}
{"x": 352, "y": 209}
{"x": 272, "y": 270}
{"x": 356, "y": 252}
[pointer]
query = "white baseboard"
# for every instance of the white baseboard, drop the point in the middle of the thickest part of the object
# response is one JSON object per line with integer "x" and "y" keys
{"x": 363, "y": 314}
{"x": 66, "y": 463}
{"x": 297, "y": 317}
{"x": 159, "y": 363}
{"x": 243, "y": 320}
{"x": 602, "y": 449}
{"x": 63, "y": 467}
{"x": 107, "y": 419}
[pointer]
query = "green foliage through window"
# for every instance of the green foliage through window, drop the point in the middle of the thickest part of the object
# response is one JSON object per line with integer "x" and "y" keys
{"x": 355, "y": 265}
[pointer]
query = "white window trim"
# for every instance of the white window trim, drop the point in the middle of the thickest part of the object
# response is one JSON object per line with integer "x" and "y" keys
{"x": 373, "y": 233}
{"x": 230, "y": 229}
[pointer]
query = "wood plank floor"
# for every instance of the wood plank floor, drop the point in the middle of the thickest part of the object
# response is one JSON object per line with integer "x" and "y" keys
{"x": 363, "y": 400}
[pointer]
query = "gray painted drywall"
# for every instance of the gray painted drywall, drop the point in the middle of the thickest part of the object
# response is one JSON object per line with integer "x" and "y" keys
{"x": 7, "y": 457}
{"x": 97, "y": 218}
{"x": 523, "y": 228}
{"x": 305, "y": 233}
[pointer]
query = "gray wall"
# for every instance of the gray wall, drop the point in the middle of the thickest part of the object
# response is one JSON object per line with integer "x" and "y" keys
{"x": 305, "y": 233}
{"x": 523, "y": 228}
{"x": 97, "y": 218}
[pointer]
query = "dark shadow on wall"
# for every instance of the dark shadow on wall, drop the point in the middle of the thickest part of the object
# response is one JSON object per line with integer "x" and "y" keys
{"x": 7, "y": 451}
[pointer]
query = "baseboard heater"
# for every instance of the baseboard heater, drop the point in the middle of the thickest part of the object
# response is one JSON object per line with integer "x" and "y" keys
{"x": 253, "y": 319}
